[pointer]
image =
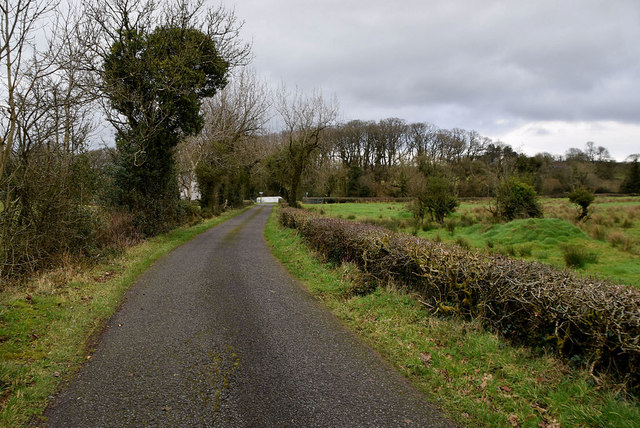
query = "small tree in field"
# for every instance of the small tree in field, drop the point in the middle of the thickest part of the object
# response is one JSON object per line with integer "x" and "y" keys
{"x": 583, "y": 198}
{"x": 517, "y": 200}
{"x": 434, "y": 196}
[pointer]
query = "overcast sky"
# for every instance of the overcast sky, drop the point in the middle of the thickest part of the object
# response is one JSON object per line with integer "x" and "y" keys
{"x": 539, "y": 75}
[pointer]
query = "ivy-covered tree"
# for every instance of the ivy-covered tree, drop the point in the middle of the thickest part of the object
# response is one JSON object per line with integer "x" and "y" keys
{"x": 156, "y": 81}
{"x": 152, "y": 62}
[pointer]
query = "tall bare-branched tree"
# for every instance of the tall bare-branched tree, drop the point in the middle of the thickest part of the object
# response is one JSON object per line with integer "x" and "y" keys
{"x": 43, "y": 126}
{"x": 305, "y": 119}
{"x": 24, "y": 66}
{"x": 220, "y": 158}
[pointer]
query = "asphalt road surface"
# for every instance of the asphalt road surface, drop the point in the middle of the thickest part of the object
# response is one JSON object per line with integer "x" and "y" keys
{"x": 218, "y": 334}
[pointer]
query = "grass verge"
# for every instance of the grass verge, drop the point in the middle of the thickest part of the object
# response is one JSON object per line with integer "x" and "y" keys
{"x": 477, "y": 378}
{"x": 47, "y": 327}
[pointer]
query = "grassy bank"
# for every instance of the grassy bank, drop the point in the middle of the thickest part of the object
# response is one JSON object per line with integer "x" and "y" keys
{"x": 46, "y": 329}
{"x": 475, "y": 376}
{"x": 608, "y": 241}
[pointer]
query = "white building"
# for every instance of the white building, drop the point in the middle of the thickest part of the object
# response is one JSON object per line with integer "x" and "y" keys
{"x": 268, "y": 199}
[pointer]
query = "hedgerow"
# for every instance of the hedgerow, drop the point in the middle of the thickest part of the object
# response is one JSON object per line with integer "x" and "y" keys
{"x": 592, "y": 322}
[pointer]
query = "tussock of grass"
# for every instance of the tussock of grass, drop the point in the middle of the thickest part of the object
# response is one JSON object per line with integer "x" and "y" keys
{"x": 525, "y": 250}
{"x": 45, "y": 328}
{"x": 620, "y": 240}
{"x": 475, "y": 376}
{"x": 463, "y": 243}
{"x": 578, "y": 257}
{"x": 596, "y": 231}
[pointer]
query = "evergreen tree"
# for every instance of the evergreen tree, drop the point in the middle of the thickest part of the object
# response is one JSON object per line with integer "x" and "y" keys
{"x": 156, "y": 81}
{"x": 631, "y": 183}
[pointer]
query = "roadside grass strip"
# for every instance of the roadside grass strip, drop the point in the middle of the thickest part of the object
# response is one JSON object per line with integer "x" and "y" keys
{"x": 476, "y": 377}
{"x": 47, "y": 328}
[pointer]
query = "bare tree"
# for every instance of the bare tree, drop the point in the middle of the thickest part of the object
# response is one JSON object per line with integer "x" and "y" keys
{"x": 233, "y": 118}
{"x": 43, "y": 125}
{"x": 421, "y": 139}
{"x": 349, "y": 141}
{"x": 23, "y": 64}
{"x": 305, "y": 118}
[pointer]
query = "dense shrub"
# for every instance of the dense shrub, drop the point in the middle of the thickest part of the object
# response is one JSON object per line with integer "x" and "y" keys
{"x": 588, "y": 320}
{"x": 43, "y": 217}
{"x": 434, "y": 196}
{"x": 631, "y": 183}
{"x": 517, "y": 200}
{"x": 117, "y": 230}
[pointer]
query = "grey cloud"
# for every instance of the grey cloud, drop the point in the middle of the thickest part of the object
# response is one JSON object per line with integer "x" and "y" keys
{"x": 476, "y": 60}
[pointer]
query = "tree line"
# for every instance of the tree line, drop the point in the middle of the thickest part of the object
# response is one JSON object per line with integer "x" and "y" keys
{"x": 314, "y": 155}
{"x": 391, "y": 158}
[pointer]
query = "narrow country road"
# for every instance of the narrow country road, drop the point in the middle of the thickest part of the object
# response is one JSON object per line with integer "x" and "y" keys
{"x": 218, "y": 334}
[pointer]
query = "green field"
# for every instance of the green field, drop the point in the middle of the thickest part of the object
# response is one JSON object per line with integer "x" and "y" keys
{"x": 609, "y": 240}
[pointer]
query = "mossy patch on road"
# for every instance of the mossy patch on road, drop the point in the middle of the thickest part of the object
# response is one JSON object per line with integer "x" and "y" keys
{"x": 46, "y": 328}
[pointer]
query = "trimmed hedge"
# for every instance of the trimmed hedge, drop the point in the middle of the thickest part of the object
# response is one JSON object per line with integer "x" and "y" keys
{"x": 590, "y": 321}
